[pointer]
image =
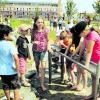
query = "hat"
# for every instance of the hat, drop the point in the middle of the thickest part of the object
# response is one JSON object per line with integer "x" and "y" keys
{"x": 23, "y": 27}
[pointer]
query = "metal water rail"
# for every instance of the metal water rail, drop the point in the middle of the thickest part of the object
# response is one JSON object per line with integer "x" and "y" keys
{"x": 95, "y": 71}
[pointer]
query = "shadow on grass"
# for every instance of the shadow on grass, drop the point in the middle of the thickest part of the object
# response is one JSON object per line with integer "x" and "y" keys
{"x": 0, "y": 84}
{"x": 1, "y": 90}
{"x": 63, "y": 96}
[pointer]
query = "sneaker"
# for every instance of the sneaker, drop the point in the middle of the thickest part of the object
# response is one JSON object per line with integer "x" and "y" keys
{"x": 26, "y": 84}
{"x": 27, "y": 80}
{"x": 76, "y": 88}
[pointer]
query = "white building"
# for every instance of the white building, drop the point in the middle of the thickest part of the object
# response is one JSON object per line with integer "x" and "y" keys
{"x": 28, "y": 9}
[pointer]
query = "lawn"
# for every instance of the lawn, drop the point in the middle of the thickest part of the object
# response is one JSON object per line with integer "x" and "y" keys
{"x": 15, "y": 23}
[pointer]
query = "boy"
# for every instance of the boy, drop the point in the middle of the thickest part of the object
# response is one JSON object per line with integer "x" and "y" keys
{"x": 9, "y": 63}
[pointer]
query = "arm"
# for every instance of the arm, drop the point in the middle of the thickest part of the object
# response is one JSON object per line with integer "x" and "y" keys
{"x": 62, "y": 44}
{"x": 89, "y": 51}
{"x": 78, "y": 48}
{"x": 16, "y": 61}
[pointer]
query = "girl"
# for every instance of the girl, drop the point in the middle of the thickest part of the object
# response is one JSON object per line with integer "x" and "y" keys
{"x": 65, "y": 42}
{"x": 92, "y": 49}
{"x": 78, "y": 43}
{"x": 40, "y": 43}
{"x": 23, "y": 52}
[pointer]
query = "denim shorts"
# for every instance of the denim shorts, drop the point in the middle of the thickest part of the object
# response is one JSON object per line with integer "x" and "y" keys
{"x": 40, "y": 56}
{"x": 10, "y": 82}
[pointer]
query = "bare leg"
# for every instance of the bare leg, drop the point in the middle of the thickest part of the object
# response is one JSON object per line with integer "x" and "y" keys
{"x": 73, "y": 77}
{"x": 42, "y": 74}
{"x": 7, "y": 93}
{"x": 84, "y": 77}
{"x": 16, "y": 94}
{"x": 37, "y": 63}
{"x": 76, "y": 87}
{"x": 22, "y": 77}
{"x": 93, "y": 89}
{"x": 79, "y": 75}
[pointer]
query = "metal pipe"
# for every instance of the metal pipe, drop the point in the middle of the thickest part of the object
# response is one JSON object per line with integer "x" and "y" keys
{"x": 97, "y": 81}
{"x": 81, "y": 65}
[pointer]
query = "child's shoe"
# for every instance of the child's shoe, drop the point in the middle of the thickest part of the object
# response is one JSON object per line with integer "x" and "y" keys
{"x": 25, "y": 83}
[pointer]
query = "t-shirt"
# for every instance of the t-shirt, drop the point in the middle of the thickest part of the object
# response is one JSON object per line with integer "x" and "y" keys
{"x": 96, "y": 49}
{"x": 42, "y": 37}
{"x": 22, "y": 43}
{"x": 58, "y": 31}
{"x": 7, "y": 63}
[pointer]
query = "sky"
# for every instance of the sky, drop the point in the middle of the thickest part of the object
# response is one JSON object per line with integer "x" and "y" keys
{"x": 81, "y": 5}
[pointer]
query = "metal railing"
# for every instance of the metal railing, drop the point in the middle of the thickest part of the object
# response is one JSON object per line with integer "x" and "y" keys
{"x": 95, "y": 70}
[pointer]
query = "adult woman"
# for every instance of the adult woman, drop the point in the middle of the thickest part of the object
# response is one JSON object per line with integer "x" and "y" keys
{"x": 92, "y": 48}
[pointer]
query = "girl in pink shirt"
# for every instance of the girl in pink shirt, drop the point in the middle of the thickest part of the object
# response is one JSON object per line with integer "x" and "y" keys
{"x": 40, "y": 42}
{"x": 92, "y": 48}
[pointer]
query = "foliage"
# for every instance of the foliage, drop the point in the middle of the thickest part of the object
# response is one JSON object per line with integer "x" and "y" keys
{"x": 15, "y": 23}
{"x": 37, "y": 11}
{"x": 70, "y": 8}
{"x": 96, "y": 6}
{"x": 2, "y": 4}
{"x": 52, "y": 35}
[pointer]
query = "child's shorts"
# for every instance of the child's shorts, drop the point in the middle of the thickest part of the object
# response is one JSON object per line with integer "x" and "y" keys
{"x": 22, "y": 65}
{"x": 10, "y": 82}
{"x": 40, "y": 56}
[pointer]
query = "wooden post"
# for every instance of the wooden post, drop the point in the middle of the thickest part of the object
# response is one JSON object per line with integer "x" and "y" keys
{"x": 97, "y": 81}
{"x": 62, "y": 68}
{"x": 50, "y": 67}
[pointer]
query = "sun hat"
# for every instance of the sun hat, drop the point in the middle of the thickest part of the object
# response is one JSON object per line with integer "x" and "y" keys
{"x": 23, "y": 27}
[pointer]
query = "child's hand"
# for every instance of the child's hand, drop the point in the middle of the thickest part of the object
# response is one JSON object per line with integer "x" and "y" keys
{"x": 36, "y": 42}
{"x": 61, "y": 42}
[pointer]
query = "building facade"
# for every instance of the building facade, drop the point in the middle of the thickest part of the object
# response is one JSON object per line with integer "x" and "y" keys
{"x": 29, "y": 9}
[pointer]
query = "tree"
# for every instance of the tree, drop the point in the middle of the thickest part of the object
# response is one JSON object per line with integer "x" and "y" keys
{"x": 2, "y": 4}
{"x": 37, "y": 11}
{"x": 96, "y": 6}
{"x": 70, "y": 9}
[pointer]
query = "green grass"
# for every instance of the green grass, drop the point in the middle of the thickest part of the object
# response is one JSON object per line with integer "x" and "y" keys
{"x": 1, "y": 91}
{"x": 15, "y": 23}
{"x": 52, "y": 35}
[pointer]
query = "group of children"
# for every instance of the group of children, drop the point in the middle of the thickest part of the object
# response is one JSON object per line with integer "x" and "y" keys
{"x": 87, "y": 45}
{"x": 13, "y": 59}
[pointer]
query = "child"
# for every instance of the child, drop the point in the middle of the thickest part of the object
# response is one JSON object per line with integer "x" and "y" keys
{"x": 66, "y": 47}
{"x": 92, "y": 49}
{"x": 23, "y": 52}
{"x": 40, "y": 43}
{"x": 9, "y": 63}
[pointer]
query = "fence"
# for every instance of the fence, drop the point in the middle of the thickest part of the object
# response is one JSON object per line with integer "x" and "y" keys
{"x": 94, "y": 71}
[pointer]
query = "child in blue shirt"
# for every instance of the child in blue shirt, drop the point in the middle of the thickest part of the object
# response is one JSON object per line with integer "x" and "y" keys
{"x": 9, "y": 63}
